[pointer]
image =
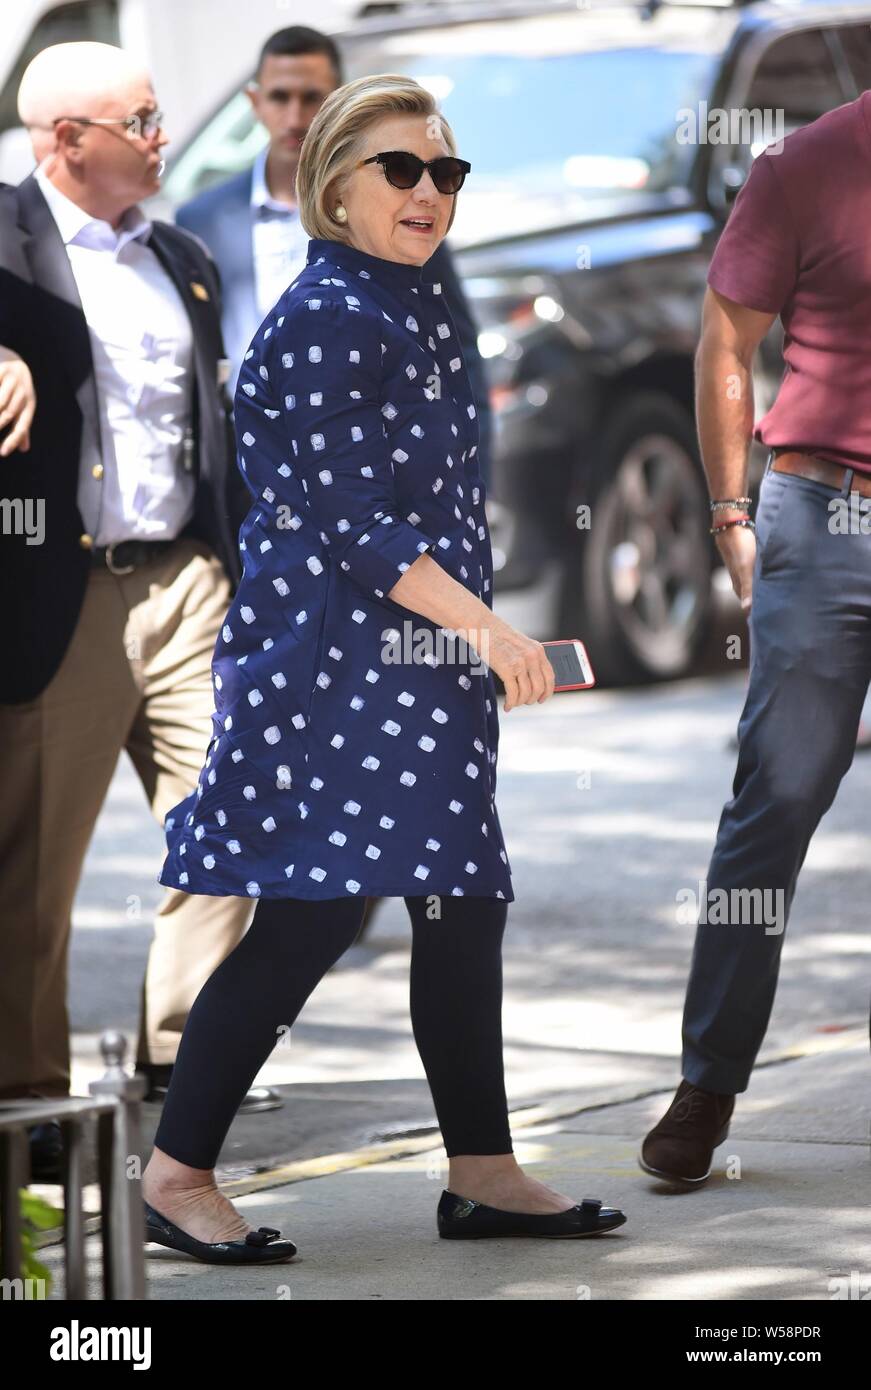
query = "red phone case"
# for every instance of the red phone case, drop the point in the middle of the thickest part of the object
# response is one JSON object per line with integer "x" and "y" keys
{"x": 570, "y": 641}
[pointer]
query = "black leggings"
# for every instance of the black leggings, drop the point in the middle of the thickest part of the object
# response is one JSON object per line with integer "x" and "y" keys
{"x": 257, "y": 992}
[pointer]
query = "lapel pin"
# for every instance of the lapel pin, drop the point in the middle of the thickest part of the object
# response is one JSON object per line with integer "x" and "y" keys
{"x": 199, "y": 290}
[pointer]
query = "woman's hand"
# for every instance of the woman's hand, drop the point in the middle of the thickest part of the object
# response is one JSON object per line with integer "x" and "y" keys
{"x": 17, "y": 402}
{"x": 521, "y": 664}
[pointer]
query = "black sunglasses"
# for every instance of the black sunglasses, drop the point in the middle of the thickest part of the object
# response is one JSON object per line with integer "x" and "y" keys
{"x": 405, "y": 170}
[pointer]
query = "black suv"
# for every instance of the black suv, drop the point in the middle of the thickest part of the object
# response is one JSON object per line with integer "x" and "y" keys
{"x": 607, "y": 142}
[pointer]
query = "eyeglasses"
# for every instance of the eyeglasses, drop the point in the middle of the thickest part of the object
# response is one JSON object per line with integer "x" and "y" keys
{"x": 405, "y": 170}
{"x": 145, "y": 126}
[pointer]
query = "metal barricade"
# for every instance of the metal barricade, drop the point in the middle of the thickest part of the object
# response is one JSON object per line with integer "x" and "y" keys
{"x": 115, "y": 1107}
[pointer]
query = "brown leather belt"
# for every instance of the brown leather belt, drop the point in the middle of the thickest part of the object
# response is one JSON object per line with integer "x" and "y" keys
{"x": 820, "y": 471}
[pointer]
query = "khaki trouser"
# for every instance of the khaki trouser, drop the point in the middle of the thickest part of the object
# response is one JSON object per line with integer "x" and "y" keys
{"x": 136, "y": 675}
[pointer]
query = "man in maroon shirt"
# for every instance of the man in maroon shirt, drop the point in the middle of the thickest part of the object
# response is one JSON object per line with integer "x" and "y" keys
{"x": 797, "y": 245}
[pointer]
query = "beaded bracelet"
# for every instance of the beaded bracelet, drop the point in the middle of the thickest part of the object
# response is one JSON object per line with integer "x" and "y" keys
{"x": 737, "y": 521}
{"x": 731, "y": 502}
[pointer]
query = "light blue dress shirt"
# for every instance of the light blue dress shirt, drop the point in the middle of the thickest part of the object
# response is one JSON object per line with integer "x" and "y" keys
{"x": 278, "y": 241}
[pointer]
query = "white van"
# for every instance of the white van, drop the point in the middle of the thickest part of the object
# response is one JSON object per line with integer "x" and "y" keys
{"x": 192, "y": 48}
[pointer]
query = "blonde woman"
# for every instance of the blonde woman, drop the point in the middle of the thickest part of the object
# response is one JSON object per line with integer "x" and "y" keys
{"x": 344, "y": 765}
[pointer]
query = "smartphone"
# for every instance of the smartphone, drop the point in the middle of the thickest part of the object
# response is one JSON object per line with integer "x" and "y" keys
{"x": 571, "y": 665}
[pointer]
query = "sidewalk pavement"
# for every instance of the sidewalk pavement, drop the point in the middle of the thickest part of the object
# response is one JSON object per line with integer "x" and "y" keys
{"x": 785, "y": 1215}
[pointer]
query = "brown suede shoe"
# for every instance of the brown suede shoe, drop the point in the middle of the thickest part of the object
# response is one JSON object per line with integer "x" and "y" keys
{"x": 680, "y": 1147}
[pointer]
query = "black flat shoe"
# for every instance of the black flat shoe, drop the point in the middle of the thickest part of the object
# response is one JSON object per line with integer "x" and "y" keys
{"x": 259, "y": 1247}
{"x": 459, "y": 1218}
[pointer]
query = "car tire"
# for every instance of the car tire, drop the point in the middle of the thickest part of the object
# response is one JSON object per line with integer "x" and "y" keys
{"x": 637, "y": 582}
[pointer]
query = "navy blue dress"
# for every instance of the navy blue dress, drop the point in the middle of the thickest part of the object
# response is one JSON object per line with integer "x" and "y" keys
{"x": 337, "y": 768}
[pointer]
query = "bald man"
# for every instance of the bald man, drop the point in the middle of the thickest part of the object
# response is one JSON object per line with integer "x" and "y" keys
{"x": 122, "y": 554}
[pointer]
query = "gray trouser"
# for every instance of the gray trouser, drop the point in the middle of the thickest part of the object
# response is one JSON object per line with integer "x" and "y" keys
{"x": 810, "y": 664}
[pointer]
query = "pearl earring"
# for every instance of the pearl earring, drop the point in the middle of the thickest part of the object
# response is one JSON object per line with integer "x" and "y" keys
{"x": 340, "y": 213}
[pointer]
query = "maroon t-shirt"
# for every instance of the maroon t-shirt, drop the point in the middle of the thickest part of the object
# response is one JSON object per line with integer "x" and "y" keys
{"x": 798, "y": 244}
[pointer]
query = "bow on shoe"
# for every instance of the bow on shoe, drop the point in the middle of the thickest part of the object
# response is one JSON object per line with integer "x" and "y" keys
{"x": 262, "y": 1236}
{"x": 589, "y": 1207}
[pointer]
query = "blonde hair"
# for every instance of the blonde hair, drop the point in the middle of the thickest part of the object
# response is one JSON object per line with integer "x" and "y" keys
{"x": 336, "y": 139}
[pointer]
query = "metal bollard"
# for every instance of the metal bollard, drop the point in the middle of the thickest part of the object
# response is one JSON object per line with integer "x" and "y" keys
{"x": 119, "y": 1162}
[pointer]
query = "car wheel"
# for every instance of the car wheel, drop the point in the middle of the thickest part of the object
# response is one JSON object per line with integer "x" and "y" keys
{"x": 637, "y": 586}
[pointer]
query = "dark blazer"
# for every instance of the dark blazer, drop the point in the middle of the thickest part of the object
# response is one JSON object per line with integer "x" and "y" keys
{"x": 41, "y": 318}
{"x": 222, "y": 218}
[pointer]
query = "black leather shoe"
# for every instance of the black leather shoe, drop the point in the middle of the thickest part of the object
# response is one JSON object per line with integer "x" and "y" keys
{"x": 680, "y": 1148}
{"x": 262, "y": 1246}
{"x": 159, "y": 1076}
{"x": 460, "y": 1218}
{"x": 46, "y": 1152}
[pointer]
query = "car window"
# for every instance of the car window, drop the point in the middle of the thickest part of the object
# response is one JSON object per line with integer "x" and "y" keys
{"x": 856, "y": 44}
{"x": 799, "y": 78}
{"x": 229, "y": 143}
{"x": 93, "y": 20}
{"x": 797, "y": 75}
